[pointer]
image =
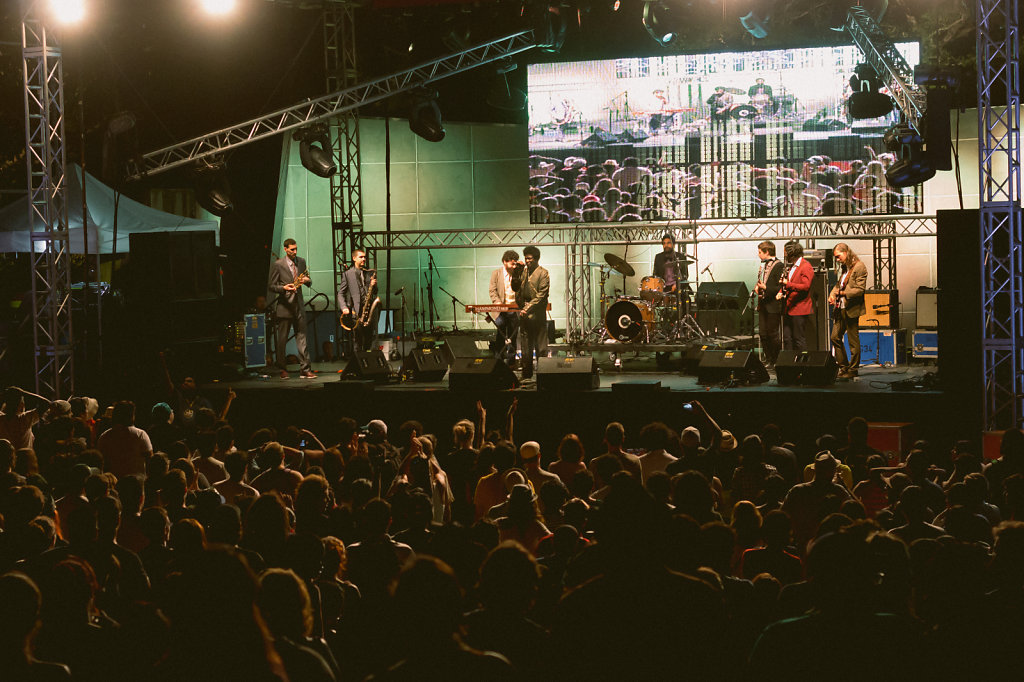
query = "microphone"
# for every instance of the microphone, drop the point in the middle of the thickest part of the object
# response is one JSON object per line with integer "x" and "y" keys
{"x": 399, "y": 291}
{"x": 879, "y": 307}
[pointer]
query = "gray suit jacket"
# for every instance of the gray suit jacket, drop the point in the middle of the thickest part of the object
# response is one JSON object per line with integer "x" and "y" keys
{"x": 349, "y": 294}
{"x": 532, "y": 293}
{"x": 497, "y": 286}
{"x": 289, "y": 304}
{"x": 856, "y": 283}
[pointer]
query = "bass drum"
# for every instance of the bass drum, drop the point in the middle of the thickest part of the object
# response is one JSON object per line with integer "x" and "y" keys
{"x": 628, "y": 320}
{"x": 743, "y": 112}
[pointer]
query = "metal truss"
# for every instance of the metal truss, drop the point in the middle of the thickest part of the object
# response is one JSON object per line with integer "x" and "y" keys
{"x": 346, "y": 184}
{"x": 578, "y": 289}
{"x": 48, "y": 211}
{"x": 883, "y": 57}
{"x": 564, "y": 234}
{"x": 1002, "y": 270}
{"x": 329, "y": 106}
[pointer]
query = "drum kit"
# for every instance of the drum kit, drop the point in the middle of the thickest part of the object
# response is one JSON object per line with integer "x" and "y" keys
{"x": 656, "y": 315}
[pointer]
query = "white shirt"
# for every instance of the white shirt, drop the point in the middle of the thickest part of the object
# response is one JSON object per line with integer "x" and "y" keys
{"x": 510, "y": 296}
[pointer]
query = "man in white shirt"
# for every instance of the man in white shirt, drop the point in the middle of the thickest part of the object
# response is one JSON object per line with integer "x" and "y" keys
{"x": 125, "y": 447}
{"x": 502, "y": 294}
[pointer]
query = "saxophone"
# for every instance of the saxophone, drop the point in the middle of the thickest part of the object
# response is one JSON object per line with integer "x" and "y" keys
{"x": 367, "y": 310}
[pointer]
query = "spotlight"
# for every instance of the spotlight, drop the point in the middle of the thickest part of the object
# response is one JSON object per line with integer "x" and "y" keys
{"x": 913, "y": 166}
{"x": 68, "y": 11}
{"x": 548, "y": 26}
{"x": 218, "y": 8}
{"x": 866, "y": 101}
{"x": 318, "y": 160}
{"x": 212, "y": 190}
{"x": 502, "y": 95}
{"x": 425, "y": 116}
{"x": 660, "y": 23}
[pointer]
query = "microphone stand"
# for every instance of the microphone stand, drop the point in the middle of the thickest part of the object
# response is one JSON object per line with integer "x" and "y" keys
{"x": 430, "y": 289}
{"x": 455, "y": 324}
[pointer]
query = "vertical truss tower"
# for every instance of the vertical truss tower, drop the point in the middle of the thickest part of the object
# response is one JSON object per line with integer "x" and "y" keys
{"x": 1002, "y": 268}
{"x": 346, "y": 188}
{"x": 48, "y": 211}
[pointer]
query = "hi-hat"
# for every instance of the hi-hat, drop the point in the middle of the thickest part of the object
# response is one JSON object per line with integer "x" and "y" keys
{"x": 619, "y": 265}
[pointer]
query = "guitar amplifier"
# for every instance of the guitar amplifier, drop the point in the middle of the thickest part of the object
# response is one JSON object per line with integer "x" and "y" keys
{"x": 883, "y": 309}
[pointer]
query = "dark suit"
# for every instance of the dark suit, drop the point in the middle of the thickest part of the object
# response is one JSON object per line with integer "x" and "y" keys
{"x": 847, "y": 321}
{"x": 351, "y": 293}
{"x": 289, "y": 309}
{"x": 532, "y": 297}
{"x": 769, "y": 311}
{"x": 507, "y": 323}
{"x": 661, "y": 261}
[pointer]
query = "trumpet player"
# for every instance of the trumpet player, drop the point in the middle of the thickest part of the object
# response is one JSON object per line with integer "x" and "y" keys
{"x": 287, "y": 276}
{"x": 358, "y": 295}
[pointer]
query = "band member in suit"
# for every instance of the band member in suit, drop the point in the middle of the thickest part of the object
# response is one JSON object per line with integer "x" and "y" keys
{"x": 532, "y": 288}
{"x": 769, "y": 307}
{"x": 355, "y": 283}
{"x": 847, "y": 301}
{"x": 720, "y": 103}
{"x": 761, "y": 96}
{"x": 502, "y": 293}
{"x": 663, "y": 264}
{"x": 287, "y": 275}
{"x": 796, "y": 294}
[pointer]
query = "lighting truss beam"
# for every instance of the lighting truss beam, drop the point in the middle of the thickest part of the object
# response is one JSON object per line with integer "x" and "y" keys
{"x": 48, "y": 211}
{"x": 883, "y": 227}
{"x": 1002, "y": 241}
{"x": 882, "y": 55}
{"x": 329, "y": 106}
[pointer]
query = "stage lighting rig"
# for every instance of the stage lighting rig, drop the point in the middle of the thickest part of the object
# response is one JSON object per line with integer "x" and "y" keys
{"x": 315, "y": 151}
{"x": 549, "y": 25}
{"x": 866, "y": 101}
{"x": 212, "y": 190}
{"x": 68, "y": 11}
{"x": 913, "y": 165}
{"x": 501, "y": 94}
{"x": 661, "y": 22}
{"x": 425, "y": 116}
{"x": 218, "y": 8}
{"x": 756, "y": 20}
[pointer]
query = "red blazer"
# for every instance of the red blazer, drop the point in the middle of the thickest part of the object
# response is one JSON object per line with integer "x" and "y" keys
{"x": 798, "y": 297}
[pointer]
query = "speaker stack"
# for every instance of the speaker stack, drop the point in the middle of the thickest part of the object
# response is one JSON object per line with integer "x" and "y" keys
{"x": 722, "y": 366}
{"x": 722, "y": 309}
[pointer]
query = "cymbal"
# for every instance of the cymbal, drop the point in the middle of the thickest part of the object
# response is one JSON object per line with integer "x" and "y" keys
{"x": 619, "y": 265}
{"x": 736, "y": 91}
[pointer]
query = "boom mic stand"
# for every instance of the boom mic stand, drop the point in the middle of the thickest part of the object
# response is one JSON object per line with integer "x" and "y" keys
{"x": 455, "y": 324}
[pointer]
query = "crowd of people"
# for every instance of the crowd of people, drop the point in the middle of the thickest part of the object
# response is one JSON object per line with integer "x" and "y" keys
{"x": 571, "y": 190}
{"x": 180, "y": 549}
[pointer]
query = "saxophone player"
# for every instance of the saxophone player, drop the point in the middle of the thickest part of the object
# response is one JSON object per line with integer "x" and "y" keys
{"x": 287, "y": 276}
{"x": 359, "y": 289}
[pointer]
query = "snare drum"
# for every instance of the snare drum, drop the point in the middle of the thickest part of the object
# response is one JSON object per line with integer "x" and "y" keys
{"x": 628, "y": 320}
{"x": 652, "y": 289}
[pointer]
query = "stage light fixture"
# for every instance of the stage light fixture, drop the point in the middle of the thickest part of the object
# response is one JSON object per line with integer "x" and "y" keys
{"x": 68, "y": 11}
{"x": 425, "y": 116}
{"x": 913, "y": 165}
{"x": 660, "y": 23}
{"x": 866, "y": 101}
{"x": 549, "y": 25}
{"x": 218, "y": 8}
{"x": 501, "y": 94}
{"x": 315, "y": 151}
{"x": 211, "y": 184}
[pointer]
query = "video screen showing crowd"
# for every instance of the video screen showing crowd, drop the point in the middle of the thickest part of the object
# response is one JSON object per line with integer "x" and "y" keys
{"x": 663, "y": 311}
{"x": 735, "y": 135}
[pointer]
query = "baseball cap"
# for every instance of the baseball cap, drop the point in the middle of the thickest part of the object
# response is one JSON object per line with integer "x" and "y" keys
{"x": 690, "y": 437}
{"x": 529, "y": 450}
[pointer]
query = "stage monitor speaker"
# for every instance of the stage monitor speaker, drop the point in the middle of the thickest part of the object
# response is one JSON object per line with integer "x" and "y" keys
{"x": 927, "y": 308}
{"x": 426, "y": 364}
{"x": 720, "y": 366}
{"x": 806, "y": 368}
{"x": 367, "y": 364}
{"x": 480, "y": 374}
{"x": 883, "y": 309}
{"x": 568, "y": 373}
{"x": 722, "y": 295}
{"x": 468, "y": 346}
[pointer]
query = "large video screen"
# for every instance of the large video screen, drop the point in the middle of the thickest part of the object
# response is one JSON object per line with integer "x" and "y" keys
{"x": 724, "y": 135}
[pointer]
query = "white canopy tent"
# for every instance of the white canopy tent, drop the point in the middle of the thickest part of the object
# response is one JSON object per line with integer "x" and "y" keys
{"x": 132, "y": 217}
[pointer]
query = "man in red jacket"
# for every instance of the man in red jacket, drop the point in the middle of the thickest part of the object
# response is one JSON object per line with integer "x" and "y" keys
{"x": 796, "y": 291}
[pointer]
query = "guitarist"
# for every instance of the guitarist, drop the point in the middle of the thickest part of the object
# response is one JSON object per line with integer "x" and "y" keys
{"x": 287, "y": 275}
{"x": 769, "y": 308}
{"x": 501, "y": 293}
{"x": 847, "y": 301}
{"x": 355, "y": 283}
{"x": 796, "y": 297}
{"x": 720, "y": 103}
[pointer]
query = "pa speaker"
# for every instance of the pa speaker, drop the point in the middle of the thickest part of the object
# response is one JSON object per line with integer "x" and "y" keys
{"x": 568, "y": 373}
{"x": 722, "y": 296}
{"x": 719, "y": 366}
{"x": 367, "y": 364}
{"x": 480, "y": 374}
{"x": 425, "y": 364}
{"x": 468, "y": 346}
{"x": 806, "y": 368}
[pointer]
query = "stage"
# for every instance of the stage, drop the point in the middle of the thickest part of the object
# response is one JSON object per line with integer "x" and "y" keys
{"x": 635, "y": 393}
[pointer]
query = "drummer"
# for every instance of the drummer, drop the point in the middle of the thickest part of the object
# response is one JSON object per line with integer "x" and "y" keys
{"x": 668, "y": 255}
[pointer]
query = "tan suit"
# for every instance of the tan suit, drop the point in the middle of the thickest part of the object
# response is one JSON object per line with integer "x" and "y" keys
{"x": 847, "y": 321}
